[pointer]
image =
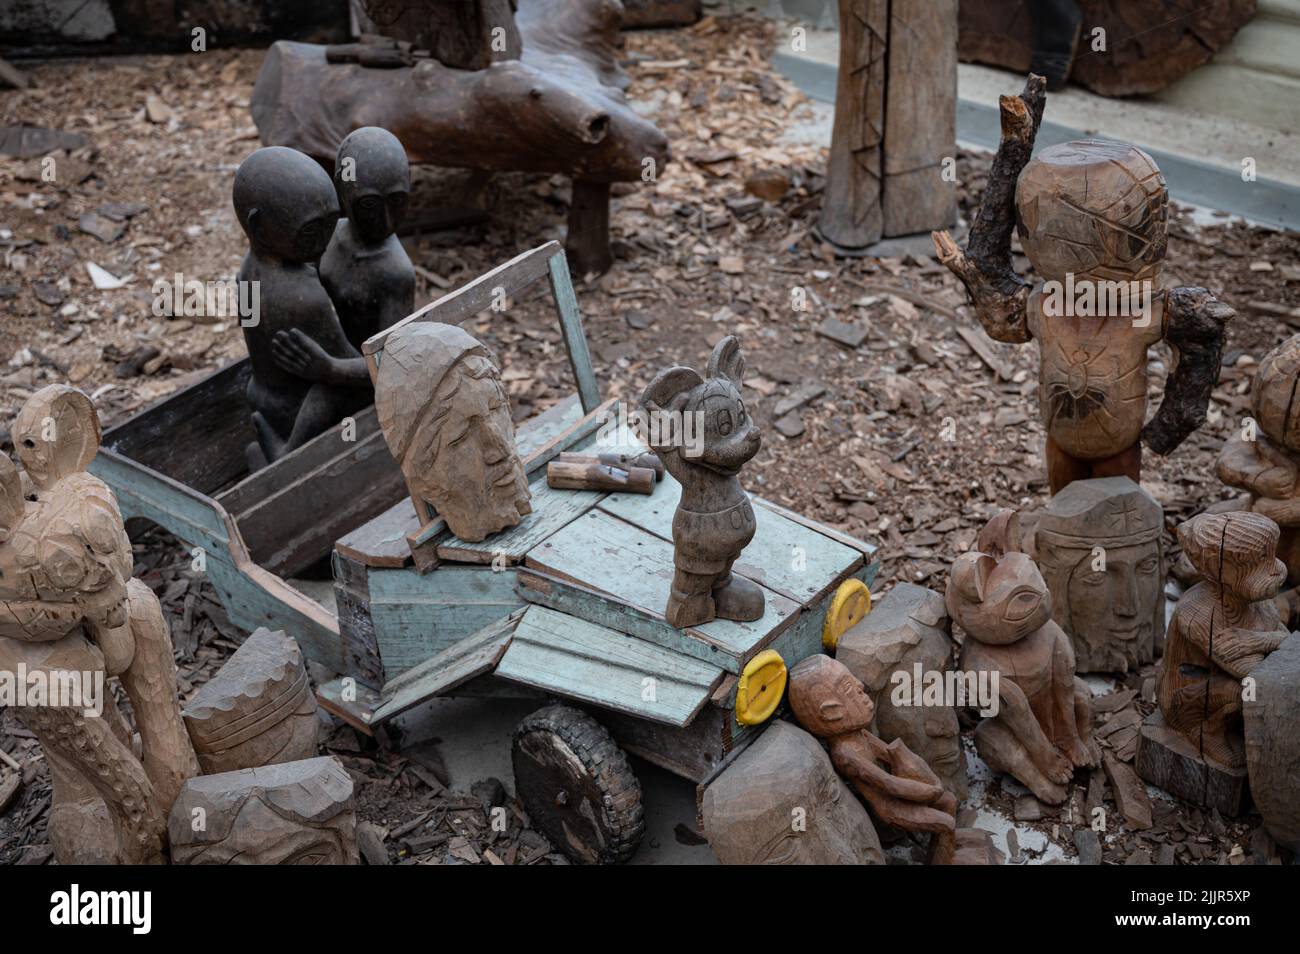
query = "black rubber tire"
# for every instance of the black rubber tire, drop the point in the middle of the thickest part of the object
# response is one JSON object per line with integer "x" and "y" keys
{"x": 577, "y": 786}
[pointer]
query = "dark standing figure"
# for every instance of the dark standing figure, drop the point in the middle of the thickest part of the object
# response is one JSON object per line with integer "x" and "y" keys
{"x": 287, "y": 207}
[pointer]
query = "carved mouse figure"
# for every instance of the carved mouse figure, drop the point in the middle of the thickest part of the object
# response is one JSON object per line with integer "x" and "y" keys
{"x": 703, "y": 434}
{"x": 1042, "y": 731}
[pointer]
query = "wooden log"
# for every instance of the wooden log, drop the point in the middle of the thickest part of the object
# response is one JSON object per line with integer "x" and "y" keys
{"x": 460, "y": 34}
{"x": 920, "y": 116}
{"x": 643, "y": 14}
{"x": 1168, "y": 761}
{"x": 1149, "y": 43}
{"x": 566, "y": 475}
{"x": 851, "y": 208}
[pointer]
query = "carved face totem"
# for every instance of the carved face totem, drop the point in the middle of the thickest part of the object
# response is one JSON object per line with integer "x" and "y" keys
{"x": 1098, "y": 544}
{"x": 446, "y": 417}
{"x": 1095, "y": 209}
{"x": 782, "y": 803}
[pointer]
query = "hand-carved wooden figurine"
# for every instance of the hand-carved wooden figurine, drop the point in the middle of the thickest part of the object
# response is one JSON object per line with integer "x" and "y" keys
{"x": 365, "y": 270}
{"x": 446, "y": 418}
{"x": 1042, "y": 731}
{"x": 704, "y": 435}
{"x": 1264, "y": 459}
{"x": 69, "y": 607}
{"x": 1223, "y": 628}
{"x": 1092, "y": 217}
{"x": 901, "y": 790}
{"x": 1098, "y": 546}
{"x": 288, "y": 208}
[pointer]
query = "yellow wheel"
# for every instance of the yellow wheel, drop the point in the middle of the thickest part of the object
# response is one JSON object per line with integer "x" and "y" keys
{"x": 760, "y": 688}
{"x": 851, "y": 602}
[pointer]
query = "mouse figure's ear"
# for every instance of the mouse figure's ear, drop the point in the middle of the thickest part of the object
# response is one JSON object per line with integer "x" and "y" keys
{"x": 11, "y": 496}
{"x": 726, "y": 361}
{"x": 56, "y": 434}
{"x": 669, "y": 389}
{"x": 970, "y": 574}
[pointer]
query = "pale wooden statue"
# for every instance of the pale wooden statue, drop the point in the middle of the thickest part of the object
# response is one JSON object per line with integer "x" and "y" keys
{"x": 1092, "y": 218}
{"x": 1098, "y": 544}
{"x": 70, "y": 609}
{"x": 1043, "y": 728}
{"x": 782, "y": 803}
{"x": 1262, "y": 457}
{"x": 704, "y": 435}
{"x": 292, "y": 813}
{"x": 1223, "y": 627}
{"x": 897, "y": 785}
{"x": 909, "y": 627}
{"x": 257, "y": 710}
{"x": 446, "y": 417}
{"x": 1272, "y": 717}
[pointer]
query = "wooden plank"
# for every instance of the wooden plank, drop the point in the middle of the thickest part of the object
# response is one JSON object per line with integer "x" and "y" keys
{"x": 868, "y": 550}
{"x": 353, "y": 703}
{"x": 633, "y": 567}
{"x": 347, "y": 483}
{"x": 575, "y": 339}
{"x": 196, "y": 435}
{"x": 693, "y": 752}
{"x": 356, "y": 628}
{"x": 784, "y": 556}
{"x": 552, "y": 509}
{"x": 448, "y": 670}
{"x": 417, "y": 616}
{"x": 468, "y": 300}
{"x": 382, "y": 540}
{"x": 578, "y": 660}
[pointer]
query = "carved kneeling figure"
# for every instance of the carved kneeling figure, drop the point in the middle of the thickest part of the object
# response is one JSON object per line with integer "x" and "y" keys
{"x": 1043, "y": 729}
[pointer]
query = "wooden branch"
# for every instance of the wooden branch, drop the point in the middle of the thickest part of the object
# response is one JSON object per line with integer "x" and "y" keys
{"x": 1195, "y": 327}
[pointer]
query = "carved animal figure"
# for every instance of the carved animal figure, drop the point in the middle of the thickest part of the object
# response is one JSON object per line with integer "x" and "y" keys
{"x": 704, "y": 436}
{"x": 1092, "y": 218}
{"x": 1043, "y": 729}
{"x": 1222, "y": 628}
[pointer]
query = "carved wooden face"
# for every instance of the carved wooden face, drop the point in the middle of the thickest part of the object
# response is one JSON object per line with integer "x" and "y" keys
{"x": 997, "y": 601}
{"x": 782, "y": 803}
{"x": 463, "y": 460}
{"x": 827, "y": 699}
{"x": 286, "y": 204}
{"x": 1109, "y": 602}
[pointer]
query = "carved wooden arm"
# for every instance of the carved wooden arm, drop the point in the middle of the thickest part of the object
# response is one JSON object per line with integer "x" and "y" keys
{"x": 1195, "y": 326}
{"x": 1000, "y": 295}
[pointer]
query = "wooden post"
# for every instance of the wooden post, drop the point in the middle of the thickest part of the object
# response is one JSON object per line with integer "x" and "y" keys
{"x": 588, "y": 242}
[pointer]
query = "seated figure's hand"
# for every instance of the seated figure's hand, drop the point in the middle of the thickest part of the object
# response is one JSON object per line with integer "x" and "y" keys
{"x": 298, "y": 353}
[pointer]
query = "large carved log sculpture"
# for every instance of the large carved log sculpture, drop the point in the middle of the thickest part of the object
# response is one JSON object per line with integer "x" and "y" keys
{"x": 1146, "y": 44}
{"x": 1042, "y": 731}
{"x": 1272, "y": 717}
{"x": 782, "y": 803}
{"x": 895, "y": 122}
{"x": 557, "y": 108}
{"x": 1091, "y": 216}
{"x": 714, "y": 520}
{"x": 71, "y": 615}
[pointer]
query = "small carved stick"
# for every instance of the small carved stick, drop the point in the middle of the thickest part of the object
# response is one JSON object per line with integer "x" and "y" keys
{"x": 999, "y": 294}
{"x": 1195, "y": 325}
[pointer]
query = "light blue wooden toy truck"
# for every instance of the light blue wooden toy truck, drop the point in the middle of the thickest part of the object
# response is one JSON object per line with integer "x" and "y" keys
{"x": 565, "y": 608}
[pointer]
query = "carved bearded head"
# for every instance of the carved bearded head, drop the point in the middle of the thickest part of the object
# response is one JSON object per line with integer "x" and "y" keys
{"x": 446, "y": 417}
